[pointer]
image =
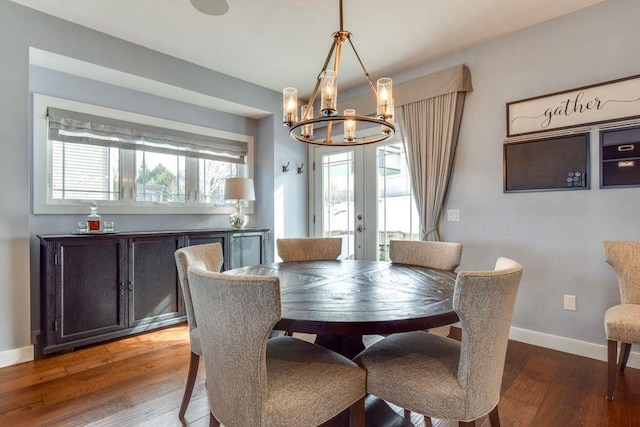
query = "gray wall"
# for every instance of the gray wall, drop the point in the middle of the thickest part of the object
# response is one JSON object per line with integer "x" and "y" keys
{"x": 558, "y": 235}
{"x": 21, "y": 28}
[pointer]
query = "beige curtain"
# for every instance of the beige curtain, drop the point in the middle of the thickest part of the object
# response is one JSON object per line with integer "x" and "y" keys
{"x": 430, "y": 134}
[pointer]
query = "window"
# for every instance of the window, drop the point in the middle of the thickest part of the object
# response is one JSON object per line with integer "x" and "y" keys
{"x": 130, "y": 163}
{"x": 160, "y": 177}
{"x": 83, "y": 172}
{"x": 212, "y": 175}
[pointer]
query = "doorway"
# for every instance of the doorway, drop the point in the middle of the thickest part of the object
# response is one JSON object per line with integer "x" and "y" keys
{"x": 363, "y": 195}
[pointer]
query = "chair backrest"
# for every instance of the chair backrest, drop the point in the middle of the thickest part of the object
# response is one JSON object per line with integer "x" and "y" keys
{"x": 208, "y": 256}
{"x": 235, "y": 316}
{"x": 438, "y": 255}
{"x": 624, "y": 257}
{"x": 484, "y": 302}
{"x": 310, "y": 248}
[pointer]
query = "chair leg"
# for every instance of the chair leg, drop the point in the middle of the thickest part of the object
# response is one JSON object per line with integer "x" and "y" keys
{"x": 356, "y": 414}
{"x": 612, "y": 353}
{"x": 625, "y": 349}
{"x": 427, "y": 421}
{"x": 467, "y": 423}
{"x": 407, "y": 415}
{"x": 494, "y": 418}
{"x": 213, "y": 421}
{"x": 191, "y": 382}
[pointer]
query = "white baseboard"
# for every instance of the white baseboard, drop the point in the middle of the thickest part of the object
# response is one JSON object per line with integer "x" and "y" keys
{"x": 568, "y": 345}
{"x": 16, "y": 356}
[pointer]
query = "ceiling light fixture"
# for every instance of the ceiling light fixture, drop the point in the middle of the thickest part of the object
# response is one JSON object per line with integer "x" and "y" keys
{"x": 211, "y": 7}
{"x": 302, "y": 130}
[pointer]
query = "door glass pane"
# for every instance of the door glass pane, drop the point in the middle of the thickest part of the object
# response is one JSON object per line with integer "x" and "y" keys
{"x": 159, "y": 177}
{"x": 338, "y": 200}
{"x": 397, "y": 213}
{"x": 84, "y": 172}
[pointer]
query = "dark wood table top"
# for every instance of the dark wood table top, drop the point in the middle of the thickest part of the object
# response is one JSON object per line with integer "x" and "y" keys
{"x": 355, "y": 298}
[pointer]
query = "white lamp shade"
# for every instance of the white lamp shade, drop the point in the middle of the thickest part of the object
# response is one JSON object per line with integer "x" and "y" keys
{"x": 239, "y": 189}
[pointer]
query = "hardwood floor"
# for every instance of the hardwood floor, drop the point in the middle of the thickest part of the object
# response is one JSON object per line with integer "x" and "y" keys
{"x": 138, "y": 381}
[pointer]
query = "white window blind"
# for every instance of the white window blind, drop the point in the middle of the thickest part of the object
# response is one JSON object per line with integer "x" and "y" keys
{"x": 76, "y": 127}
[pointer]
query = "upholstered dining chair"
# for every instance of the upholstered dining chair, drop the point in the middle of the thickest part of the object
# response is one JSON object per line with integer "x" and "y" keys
{"x": 439, "y": 255}
{"x": 622, "y": 321}
{"x": 256, "y": 381}
{"x": 443, "y": 378}
{"x": 309, "y": 248}
{"x": 210, "y": 257}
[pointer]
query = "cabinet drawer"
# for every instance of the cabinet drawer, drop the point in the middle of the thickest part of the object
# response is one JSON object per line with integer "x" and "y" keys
{"x": 620, "y": 143}
{"x": 621, "y": 151}
{"x": 621, "y": 172}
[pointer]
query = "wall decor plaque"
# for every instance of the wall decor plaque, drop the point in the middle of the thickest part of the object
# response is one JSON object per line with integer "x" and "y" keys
{"x": 604, "y": 102}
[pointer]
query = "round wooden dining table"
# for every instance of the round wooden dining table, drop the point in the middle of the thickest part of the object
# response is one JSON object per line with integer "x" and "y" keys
{"x": 340, "y": 301}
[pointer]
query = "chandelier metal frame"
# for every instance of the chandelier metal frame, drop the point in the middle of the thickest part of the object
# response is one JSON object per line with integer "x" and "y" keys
{"x": 384, "y": 119}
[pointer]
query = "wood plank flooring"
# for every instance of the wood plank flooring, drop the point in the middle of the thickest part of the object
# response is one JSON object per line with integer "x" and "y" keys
{"x": 138, "y": 381}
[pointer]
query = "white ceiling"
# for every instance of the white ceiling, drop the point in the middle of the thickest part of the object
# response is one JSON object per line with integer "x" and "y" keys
{"x": 279, "y": 43}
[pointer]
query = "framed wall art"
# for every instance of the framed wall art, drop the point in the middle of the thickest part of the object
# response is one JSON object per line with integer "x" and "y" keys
{"x": 604, "y": 102}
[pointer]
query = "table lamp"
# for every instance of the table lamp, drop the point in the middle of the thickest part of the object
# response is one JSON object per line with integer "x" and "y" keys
{"x": 240, "y": 190}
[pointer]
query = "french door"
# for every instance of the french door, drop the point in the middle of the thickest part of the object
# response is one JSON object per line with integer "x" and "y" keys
{"x": 363, "y": 195}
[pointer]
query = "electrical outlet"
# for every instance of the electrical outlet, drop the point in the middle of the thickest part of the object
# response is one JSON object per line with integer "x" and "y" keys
{"x": 570, "y": 302}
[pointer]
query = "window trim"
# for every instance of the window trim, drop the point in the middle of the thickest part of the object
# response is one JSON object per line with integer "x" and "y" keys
{"x": 40, "y": 167}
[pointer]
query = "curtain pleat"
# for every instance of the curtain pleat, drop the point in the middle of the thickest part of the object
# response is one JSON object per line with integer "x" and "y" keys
{"x": 430, "y": 134}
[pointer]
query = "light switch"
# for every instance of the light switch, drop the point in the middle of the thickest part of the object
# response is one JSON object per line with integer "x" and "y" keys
{"x": 453, "y": 215}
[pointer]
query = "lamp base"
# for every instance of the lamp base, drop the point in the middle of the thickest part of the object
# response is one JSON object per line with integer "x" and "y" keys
{"x": 238, "y": 220}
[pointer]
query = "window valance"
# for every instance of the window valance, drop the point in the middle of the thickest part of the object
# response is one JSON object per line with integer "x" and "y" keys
{"x": 450, "y": 80}
{"x": 75, "y": 127}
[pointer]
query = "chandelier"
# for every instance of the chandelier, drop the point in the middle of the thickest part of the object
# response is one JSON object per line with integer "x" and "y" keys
{"x": 301, "y": 127}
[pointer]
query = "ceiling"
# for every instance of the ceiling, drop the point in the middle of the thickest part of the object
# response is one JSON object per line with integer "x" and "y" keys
{"x": 279, "y": 43}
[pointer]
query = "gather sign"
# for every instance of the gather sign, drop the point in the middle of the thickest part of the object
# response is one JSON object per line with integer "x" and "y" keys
{"x": 604, "y": 102}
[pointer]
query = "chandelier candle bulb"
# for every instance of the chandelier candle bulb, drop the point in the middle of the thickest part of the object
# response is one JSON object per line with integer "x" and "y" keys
{"x": 329, "y": 93}
{"x": 289, "y": 106}
{"x": 306, "y": 112}
{"x": 384, "y": 128}
{"x": 385, "y": 94}
{"x": 349, "y": 126}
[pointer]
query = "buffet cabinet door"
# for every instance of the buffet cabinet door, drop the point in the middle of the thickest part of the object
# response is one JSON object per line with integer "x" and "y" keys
{"x": 153, "y": 288}
{"x": 90, "y": 295}
{"x": 245, "y": 249}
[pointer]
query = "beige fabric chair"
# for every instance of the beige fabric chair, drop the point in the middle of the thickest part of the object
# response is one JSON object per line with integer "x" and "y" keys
{"x": 209, "y": 257}
{"x": 257, "y": 381}
{"x": 622, "y": 322}
{"x": 444, "y": 378}
{"x": 438, "y": 255}
{"x": 309, "y": 248}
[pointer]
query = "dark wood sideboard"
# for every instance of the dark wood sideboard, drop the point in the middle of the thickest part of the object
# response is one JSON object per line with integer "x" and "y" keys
{"x": 96, "y": 287}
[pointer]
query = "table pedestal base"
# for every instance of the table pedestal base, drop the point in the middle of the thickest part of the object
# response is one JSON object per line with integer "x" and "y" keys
{"x": 348, "y": 346}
